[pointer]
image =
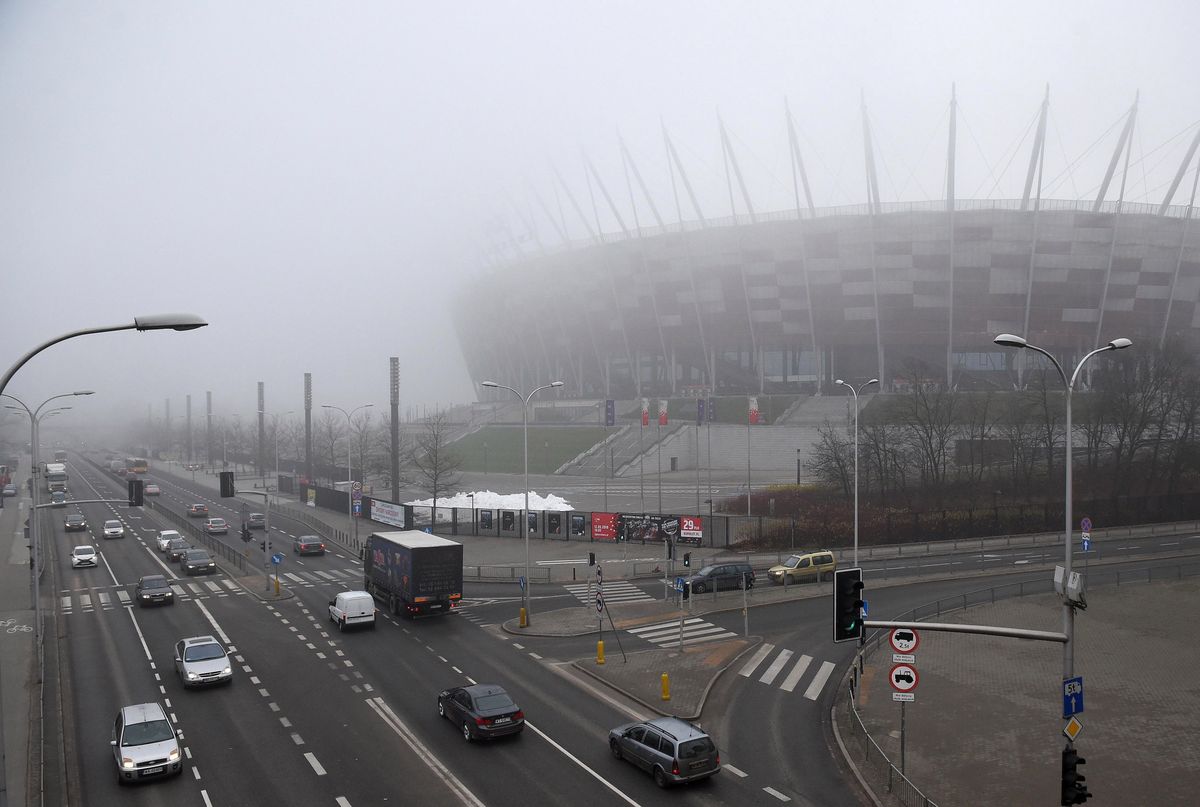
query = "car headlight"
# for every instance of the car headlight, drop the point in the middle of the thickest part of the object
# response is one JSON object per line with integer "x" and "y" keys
{"x": 174, "y": 755}
{"x": 127, "y": 763}
{"x": 192, "y": 676}
{"x": 227, "y": 671}
{"x": 145, "y": 596}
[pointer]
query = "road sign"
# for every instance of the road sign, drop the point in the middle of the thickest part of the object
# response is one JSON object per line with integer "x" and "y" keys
{"x": 356, "y": 485}
{"x": 907, "y": 697}
{"x": 277, "y": 558}
{"x": 865, "y": 609}
{"x": 356, "y": 507}
{"x": 356, "y": 495}
{"x": 521, "y": 582}
{"x": 599, "y": 574}
{"x": 1073, "y": 728}
{"x": 905, "y": 640}
{"x": 679, "y": 584}
{"x": 1072, "y": 696}
{"x": 599, "y": 604}
{"x": 903, "y": 677}
{"x": 1087, "y": 543}
{"x": 1086, "y": 524}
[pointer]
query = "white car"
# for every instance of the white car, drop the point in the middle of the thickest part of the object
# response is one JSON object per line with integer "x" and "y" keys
{"x": 114, "y": 529}
{"x": 82, "y": 556}
{"x": 165, "y": 537}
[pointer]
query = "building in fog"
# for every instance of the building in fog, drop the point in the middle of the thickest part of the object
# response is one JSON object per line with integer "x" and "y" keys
{"x": 788, "y": 301}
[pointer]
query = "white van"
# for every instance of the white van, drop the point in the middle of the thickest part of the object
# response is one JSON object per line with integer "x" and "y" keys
{"x": 350, "y": 608}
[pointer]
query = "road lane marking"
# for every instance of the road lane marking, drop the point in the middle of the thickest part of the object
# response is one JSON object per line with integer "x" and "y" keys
{"x": 213, "y": 622}
{"x": 818, "y": 682}
{"x": 141, "y": 638}
{"x": 316, "y": 766}
{"x": 776, "y": 794}
{"x": 342, "y": 801}
{"x": 581, "y": 764}
{"x": 393, "y": 721}
{"x": 777, "y": 665}
{"x": 733, "y": 770}
{"x": 755, "y": 660}
{"x": 796, "y": 674}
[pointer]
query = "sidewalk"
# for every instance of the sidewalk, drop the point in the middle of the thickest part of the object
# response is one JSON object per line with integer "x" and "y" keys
{"x": 17, "y": 652}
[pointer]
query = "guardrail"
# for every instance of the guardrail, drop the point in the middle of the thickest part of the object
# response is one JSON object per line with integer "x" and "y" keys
{"x": 194, "y": 533}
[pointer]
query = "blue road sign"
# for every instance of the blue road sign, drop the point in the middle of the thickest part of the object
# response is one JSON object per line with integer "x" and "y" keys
{"x": 865, "y": 609}
{"x": 277, "y": 558}
{"x": 679, "y": 584}
{"x": 521, "y": 581}
{"x": 1072, "y": 696}
{"x": 1086, "y": 524}
{"x": 356, "y": 506}
{"x": 1087, "y": 544}
{"x": 599, "y": 604}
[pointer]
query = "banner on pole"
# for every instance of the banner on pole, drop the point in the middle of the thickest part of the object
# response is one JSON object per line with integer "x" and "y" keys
{"x": 662, "y": 413}
{"x": 753, "y": 411}
{"x": 645, "y": 411}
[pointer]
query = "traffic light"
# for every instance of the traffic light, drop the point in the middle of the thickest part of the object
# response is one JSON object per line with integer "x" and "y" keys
{"x": 245, "y": 533}
{"x": 1074, "y": 791}
{"x": 847, "y": 605}
{"x": 591, "y": 559}
{"x": 687, "y": 558}
{"x": 135, "y": 493}
{"x": 227, "y": 490}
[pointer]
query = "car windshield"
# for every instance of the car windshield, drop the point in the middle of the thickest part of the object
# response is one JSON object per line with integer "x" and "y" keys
{"x": 792, "y": 561}
{"x": 156, "y": 731}
{"x": 696, "y": 748}
{"x": 178, "y": 543}
{"x": 84, "y": 550}
{"x": 707, "y": 570}
{"x": 217, "y": 522}
{"x": 204, "y": 652}
{"x": 74, "y": 519}
{"x": 486, "y": 703}
{"x": 197, "y": 554}
{"x": 108, "y": 524}
{"x": 170, "y": 536}
{"x": 154, "y": 582}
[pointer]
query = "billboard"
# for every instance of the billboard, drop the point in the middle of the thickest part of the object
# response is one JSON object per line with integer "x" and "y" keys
{"x": 691, "y": 530}
{"x": 604, "y": 526}
{"x": 388, "y": 513}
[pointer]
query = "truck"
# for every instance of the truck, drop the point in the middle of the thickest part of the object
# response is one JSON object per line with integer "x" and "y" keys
{"x": 413, "y": 573}
{"x": 60, "y": 455}
{"x": 56, "y": 476}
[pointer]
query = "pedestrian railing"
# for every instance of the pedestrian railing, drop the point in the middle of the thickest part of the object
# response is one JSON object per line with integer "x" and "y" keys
{"x": 194, "y": 533}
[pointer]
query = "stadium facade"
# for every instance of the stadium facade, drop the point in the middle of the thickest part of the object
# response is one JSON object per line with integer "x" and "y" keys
{"x": 790, "y": 301}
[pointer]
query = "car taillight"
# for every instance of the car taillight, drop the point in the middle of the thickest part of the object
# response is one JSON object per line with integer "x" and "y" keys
{"x": 718, "y": 759}
{"x": 481, "y": 721}
{"x": 322, "y": 546}
{"x": 675, "y": 768}
{"x": 519, "y": 715}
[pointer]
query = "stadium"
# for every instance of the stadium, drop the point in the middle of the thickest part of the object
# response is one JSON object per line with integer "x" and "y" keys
{"x": 788, "y": 301}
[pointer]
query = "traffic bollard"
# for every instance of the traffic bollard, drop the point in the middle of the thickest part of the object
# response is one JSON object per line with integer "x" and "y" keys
{"x": 600, "y": 652}
{"x": 524, "y": 619}
{"x": 666, "y": 687}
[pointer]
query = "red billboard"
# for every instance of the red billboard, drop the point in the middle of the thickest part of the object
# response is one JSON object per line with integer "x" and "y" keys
{"x": 604, "y": 526}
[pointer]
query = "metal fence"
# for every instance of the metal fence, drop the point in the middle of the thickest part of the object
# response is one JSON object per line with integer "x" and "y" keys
{"x": 871, "y": 759}
{"x": 195, "y": 534}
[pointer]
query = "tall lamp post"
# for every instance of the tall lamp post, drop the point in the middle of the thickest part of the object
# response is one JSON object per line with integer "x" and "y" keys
{"x": 156, "y": 322}
{"x": 1010, "y": 340}
{"x": 855, "y": 393}
{"x": 525, "y": 399}
{"x": 350, "y": 476}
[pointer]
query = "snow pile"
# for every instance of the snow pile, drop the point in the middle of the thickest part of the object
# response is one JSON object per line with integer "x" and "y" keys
{"x": 487, "y": 500}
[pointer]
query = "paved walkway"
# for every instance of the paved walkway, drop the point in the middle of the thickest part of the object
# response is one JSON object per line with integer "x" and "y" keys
{"x": 16, "y": 645}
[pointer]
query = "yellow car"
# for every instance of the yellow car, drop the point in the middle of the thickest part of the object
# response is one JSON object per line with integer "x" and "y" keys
{"x": 801, "y": 568}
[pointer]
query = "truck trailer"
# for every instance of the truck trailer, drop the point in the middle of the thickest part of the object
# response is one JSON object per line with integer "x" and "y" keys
{"x": 412, "y": 572}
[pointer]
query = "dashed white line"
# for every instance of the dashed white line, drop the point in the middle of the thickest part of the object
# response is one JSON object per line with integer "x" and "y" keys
{"x": 733, "y": 770}
{"x": 772, "y": 791}
{"x": 316, "y": 766}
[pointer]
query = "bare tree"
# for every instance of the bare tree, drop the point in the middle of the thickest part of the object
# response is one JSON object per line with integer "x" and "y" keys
{"x": 832, "y": 460}
{"x": 1017, "y": 426}
{"x": 884, "y": 457}
{"x": 328, "y": 432}
{"x": 437, "y": 465}
{"x": 929, "y": 414}
{"x": 379, "y": 454}
{"x": 360, "y": 440}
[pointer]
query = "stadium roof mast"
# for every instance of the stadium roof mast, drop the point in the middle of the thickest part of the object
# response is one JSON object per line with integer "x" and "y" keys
{"x": 674, "y": 164}
{"x": 1037, "y": 160}
{"x": 950, "y": 153}
{"x": 1126, "y": 142}
{"x": 1183, "y": 228}
{"x": 885, "y": 383}
{"x": 798, "y": 166}
{"x": 731, "y": 158}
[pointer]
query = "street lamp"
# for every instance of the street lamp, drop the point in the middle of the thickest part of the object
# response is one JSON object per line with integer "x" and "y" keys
{"x": 525, "y": 399}
{"x": 35, "y": 417}
{"x": 1010, "y": 340}
{"x": 349, "y": 475}
{"x": 855, "y": 393}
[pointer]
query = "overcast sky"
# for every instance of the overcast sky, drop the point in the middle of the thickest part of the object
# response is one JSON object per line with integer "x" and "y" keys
{"x": 320, "y": 180}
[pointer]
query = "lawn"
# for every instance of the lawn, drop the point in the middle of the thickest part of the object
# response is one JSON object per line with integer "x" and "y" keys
{"x": 499, "y": 449}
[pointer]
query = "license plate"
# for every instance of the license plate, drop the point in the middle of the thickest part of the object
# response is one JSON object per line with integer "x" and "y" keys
{"x": 435, "y": 607}
{"x": 501, "y": 720}
{"x": 150, "y": 771}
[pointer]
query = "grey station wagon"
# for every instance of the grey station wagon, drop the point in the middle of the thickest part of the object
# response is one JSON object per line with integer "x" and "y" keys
{"x": 672, "y": 750}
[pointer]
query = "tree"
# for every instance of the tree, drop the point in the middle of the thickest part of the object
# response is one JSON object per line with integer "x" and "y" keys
{"x": 328, "y": 432}
{"x": 379, "y": 454}
{"x": 437, "y": 465}
{"x": 832, "y": 459}
{"x": 929, "y": 414}
{"x": 360, "y": 440}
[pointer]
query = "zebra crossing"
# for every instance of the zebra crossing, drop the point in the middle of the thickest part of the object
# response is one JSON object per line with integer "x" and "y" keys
{"x": 667, "y": 634}
{"x": 794, "y": 675}
{"x": 614, "y": 592}
{"x": 106, "y": 599}
{"x": 338, "y": 577}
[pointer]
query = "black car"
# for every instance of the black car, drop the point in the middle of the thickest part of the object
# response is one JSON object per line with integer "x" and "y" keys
{"x": 176, "y": 548}
{"x": 75, "y": 523}
{"x": 308, "y": 545}
{"x": 482, "y": 711}
{"x": 197, "y": 561}
{"x": 721, "y": 576}
{"x": 153, "y": 589}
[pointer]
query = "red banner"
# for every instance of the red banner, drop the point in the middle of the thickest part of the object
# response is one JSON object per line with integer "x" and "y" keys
{"x": 645, "y": 411}
{"x": 662, "y": 413}
{"x": 691, "y": 527}
{"x": 604, "y": 526}
{"x": 753, "y": 411}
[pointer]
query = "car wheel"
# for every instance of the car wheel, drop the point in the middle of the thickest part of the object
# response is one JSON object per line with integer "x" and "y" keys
{"x": 441, "y": 709}
{"x": 466, "y": 728}
{"x": 341, "y": 626}
{"x": 615, "y": 747}
{"x": 660, "y": 777}
{"x": 698, "y": 588}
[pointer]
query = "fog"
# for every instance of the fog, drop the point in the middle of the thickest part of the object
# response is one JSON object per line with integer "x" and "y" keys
{"x": 319, "y": 180}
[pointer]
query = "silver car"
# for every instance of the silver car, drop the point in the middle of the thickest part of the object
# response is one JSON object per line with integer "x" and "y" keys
{"x": 144, "y": 744}
{"x": 165, "y": 537}
{"x": 673, "y": 751}
{"x": 114, "y": 529}
{"x": 202, "y": 660}
{"x": 84, "y": 555}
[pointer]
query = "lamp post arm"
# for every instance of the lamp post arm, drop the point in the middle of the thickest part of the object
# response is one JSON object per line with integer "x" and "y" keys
{"x": 83, "y": 332}
{"x": 1057, "y": 366}
{"x": 1083, "y": 361}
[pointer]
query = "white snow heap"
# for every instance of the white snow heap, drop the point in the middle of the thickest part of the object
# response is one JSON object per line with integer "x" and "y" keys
{"x": 487, "y": 500}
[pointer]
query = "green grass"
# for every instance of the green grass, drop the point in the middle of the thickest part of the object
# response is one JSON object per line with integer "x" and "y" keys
{"x": 549, "y": 447}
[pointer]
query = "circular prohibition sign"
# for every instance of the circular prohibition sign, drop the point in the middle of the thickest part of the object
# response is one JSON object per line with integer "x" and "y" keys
{"x": 903, "y": 677}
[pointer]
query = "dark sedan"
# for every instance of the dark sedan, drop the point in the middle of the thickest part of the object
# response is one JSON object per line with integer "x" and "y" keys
{"x": 197, "y": 561}
{"x": 176, "y": 548}
{"x": 153, "y": 589}
{"x": 481, "y": 711}
{"x": 75, "y": 523}
{"x": 308, "y": 545}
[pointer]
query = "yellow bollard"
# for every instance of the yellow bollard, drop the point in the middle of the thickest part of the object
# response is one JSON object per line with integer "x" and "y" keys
{"x": 600, "y": 652}
{"x": 276, "y": 586}
{"x": 666, "y": 687}
{"x": 524, "y": 619}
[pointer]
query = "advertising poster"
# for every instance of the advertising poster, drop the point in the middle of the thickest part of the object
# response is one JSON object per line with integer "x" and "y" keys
{"x": 648, "y": 529}
{"x": 691, "y": 530}
{"x": 485, "y": 520}
{"x": 388, "y": 513}
{"x": 604, "y": 526}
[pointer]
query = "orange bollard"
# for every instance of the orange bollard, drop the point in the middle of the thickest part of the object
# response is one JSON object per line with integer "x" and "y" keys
{"x": 524, "y": 619}
{"x": 666, "y": 687}
{"x": 600, "y": 652}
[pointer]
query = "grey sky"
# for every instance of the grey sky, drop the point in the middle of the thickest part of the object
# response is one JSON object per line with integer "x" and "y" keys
{"x": 317, "y": 179}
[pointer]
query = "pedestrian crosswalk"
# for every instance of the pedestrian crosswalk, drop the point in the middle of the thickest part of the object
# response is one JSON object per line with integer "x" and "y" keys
{"x": 339, "y": 577}
{"x": 797, "y": 672}
{"x": 672, "y": 634}
{"x": 614, "y": 592}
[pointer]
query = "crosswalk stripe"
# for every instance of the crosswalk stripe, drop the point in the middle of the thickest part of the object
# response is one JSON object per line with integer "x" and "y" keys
{"x": 122, "y": 595}
{"x": 326, "y": 575}
{"x": 195, "y": 588}
{"x": 178, "y": 589}
{"x": 212, "y": 586}
{"x": 818, "y": 682}
{"x": 104, "y": 598}
{"x": 796, "y": 674}
{"x": 688, "y": 630}
{"x": 660, "y": 625}
{"x": 294, "y": 577}
{"x": 723, "y": 635}
{"x": 755, "y": 660}
{"x": 85, "y": 600}
{"x": 229, "y": 584}
{"x": 768, "y": 677}
{"x": 66, "y": 603}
